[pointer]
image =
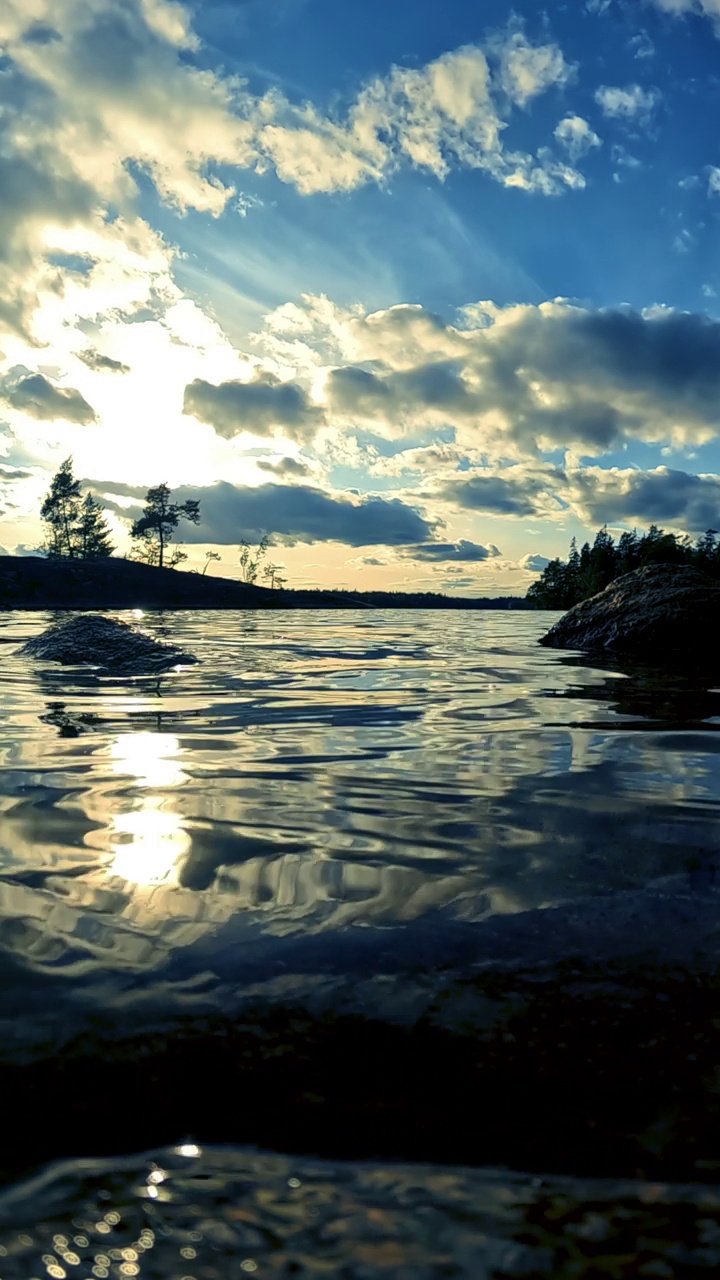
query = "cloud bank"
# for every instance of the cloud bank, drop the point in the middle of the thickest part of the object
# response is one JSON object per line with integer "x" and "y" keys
{"x": 513, "y": 382}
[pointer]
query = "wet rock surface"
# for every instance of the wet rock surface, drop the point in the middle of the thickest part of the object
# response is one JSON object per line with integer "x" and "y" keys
{"x": 96, "y": 640}
{"x": 660, "y": 613}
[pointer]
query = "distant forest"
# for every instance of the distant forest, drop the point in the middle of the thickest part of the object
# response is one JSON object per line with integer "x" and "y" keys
{"x": 408, "y": 600}
{"x": 564, "y": 583}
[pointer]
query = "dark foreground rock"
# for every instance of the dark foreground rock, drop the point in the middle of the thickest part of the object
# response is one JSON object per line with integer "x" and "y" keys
{"x": 94, "y": 639}
{"x": 658, "y": 613}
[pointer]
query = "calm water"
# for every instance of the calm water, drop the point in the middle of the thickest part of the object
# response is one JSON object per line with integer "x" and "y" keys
{"x": 328, "y": 793}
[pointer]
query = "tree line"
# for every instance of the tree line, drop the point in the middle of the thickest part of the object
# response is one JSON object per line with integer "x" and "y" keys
{"x": 564, "y": 583}
{"x": 76, "y": 527}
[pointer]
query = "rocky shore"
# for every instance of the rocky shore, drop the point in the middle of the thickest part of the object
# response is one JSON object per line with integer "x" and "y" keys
{"x": 660, "y": 613}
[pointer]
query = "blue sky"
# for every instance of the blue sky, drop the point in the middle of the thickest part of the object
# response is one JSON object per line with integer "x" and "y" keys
{"x": 421, "y": 290}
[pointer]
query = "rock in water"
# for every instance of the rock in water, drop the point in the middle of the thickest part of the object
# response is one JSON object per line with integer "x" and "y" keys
{"x": 659, "y": 612}
{"x": 93, "y": 638}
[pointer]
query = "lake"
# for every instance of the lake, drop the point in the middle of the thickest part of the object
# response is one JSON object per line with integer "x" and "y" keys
{"x": 273, "y": 899}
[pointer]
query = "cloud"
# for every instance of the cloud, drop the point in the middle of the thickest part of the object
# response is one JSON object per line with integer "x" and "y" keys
{"x": 574, "y": 133}
{"x": 519, "y": 381}
{"x": 102, "y": 364}
{"x": 39, "y": 398}
{"x": 444, "y": 552}
{"x": 713, "y": 181}
{"x": 446, "y": 114}
{"x": 262, "y": 406}
{"x": 517, "y": 492}
{"x": 631, "y": 103}
{"x": 299, "y": 513}
{"x": 534, "y": 563}
{"x": 286, "y": 468}
{"x": 661, "y": 496}
{"x": 528, "y": 70}
{"x": 705, "y": 8}
{"x": 593, "y": 495}
{"x": 642, "y": 46}
{"x": 97, "y": 98}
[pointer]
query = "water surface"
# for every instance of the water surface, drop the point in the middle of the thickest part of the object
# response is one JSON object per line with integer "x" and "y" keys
{"x": 330, "y": 812}
{"x": 327, "y": 771}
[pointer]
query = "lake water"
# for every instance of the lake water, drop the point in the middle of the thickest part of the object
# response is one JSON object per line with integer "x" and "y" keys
{"x": 329, "y": 808}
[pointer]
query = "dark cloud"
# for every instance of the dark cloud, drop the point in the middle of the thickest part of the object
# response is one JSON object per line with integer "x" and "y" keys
{"x": 102, "y": 364}
{"x": 520, "y": 494}
{"x": 14, "y": 473}
{"x": 112, "y": 486}
{"x": 286, "y": 468}
{"x": 263, "y": 405}
{"x": 298, "y": 513}
{"x": 40, "y": 33}
{"x": 663, "y": 496}
{"x": 440, "y": 552}
{"x": 39, "y": 398}
{"x": 524, "y": 379}
{"x": 437, "y": 386}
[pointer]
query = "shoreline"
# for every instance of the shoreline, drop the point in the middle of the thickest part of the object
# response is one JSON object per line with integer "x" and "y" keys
{"x": 33, "y": 582}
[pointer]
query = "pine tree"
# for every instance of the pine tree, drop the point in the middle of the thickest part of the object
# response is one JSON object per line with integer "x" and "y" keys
{"x": 93, "y": 534}
{"x": 155, "y": 529}
{"x": 60, "y": 511}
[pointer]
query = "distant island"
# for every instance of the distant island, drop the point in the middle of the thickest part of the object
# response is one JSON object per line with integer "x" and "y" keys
{"x": 34, "y": 582}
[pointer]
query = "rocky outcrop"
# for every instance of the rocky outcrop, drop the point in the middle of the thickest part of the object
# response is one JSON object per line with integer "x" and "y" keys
{"x": 659, "y": 612}
{"x": 100, "y": 641}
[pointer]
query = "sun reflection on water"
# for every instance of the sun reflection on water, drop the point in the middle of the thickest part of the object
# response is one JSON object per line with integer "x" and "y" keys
{"x": 149, "y": 758}
{"x": 148, "y": 842}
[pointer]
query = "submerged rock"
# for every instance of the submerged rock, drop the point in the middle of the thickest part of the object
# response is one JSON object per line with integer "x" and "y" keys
{"x": 93, "y": 638}
{"x": 659, "y": 612}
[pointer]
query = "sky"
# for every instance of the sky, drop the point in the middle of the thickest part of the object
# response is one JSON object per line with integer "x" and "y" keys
{"x": 420, "y": 290}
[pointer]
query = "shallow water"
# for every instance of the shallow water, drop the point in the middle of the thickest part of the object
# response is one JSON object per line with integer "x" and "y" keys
{"x": 330, "y": 797}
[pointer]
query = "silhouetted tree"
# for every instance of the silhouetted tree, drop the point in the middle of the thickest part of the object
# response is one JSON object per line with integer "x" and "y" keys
{"x": 75, "y": 529}
{"x": 60, "y": 512}
{"x": 602, "y": 562}
{"x": 561, "y": 585}
{"x": 707, "y": 551}
{"x": 628, "y": 553}
{"x": 210, "y": 555}
{"x": 272, "y": 575}
{"x": 250, "y": 561}
{"x": 154, "y": 531}
{"x": 93, "y": 532}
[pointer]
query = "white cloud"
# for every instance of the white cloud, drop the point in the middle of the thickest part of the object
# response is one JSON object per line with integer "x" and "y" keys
{"x": 631, "y": 103}
{"x": 511, "y": 382}
{"x": 528, "y": 70}
{"x": 714, "y": 181}
{"x": 706, "y": 8}
{"x": 95, "y": 93}
{"x": 436, "y": 117}
{"x": 533, "y": 563}
{"x": 575, "y": 134}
